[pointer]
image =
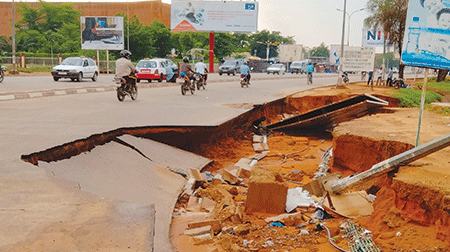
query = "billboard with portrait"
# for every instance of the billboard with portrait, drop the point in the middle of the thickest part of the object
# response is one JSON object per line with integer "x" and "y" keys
{"x": 215, "y": 16}
{"x": 102, "y": 33}
{"x": 427, "y": 34}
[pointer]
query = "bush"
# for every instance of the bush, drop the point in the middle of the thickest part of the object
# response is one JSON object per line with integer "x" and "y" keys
{"x": 411, "y": 97}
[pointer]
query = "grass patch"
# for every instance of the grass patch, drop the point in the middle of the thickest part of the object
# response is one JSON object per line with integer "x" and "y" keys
{"x": 445, "y": 111}
{"x": 35, "y": 69}
{"x": 411, "y": 97}
{"x": 440, "y": 87}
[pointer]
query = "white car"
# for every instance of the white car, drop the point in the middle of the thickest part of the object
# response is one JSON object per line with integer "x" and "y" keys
{"x": 76, "y": 69}
{"x": 276, "y": 69}
{"x": 152, "y": 69}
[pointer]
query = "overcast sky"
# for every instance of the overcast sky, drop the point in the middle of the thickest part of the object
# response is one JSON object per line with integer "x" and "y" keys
{"x": 309, "y": 21}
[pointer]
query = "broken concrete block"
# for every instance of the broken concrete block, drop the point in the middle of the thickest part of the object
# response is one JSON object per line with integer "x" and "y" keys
{"x": 244, "y": 163}
{"x": 260, "y": 156}
{"x": 207, "y": 205}
{"x": 282, "y": 217}
{"x": 229, "y": 177}
{"x": 242, "y": 229}
{"x": 258, "y": 139}
{"x": 202, "y": 239}
{"x": 198, "y": 231}
{"x": 193, "y": 204}
{"x": 267, "y": 193}
{"x": 244, "y": 173}
{"x": 216, "y": 227}
{"x": 260, "y": 147}
{"x": 197, "y": 175}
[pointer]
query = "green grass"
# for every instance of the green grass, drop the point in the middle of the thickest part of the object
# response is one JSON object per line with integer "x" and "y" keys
{"x": 440, "y": 87}
{"x": 35, "y": 69}
{"x": 410, "y": 97}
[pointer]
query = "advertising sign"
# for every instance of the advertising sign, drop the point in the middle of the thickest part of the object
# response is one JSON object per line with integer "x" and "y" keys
{"x": 356, "y": 59}
{"x": 102, "y": 33}
{"x": 372, "y": 37}
{"x": 427, "y": 34}
{"x": 215, "y": 16}
{"x": 289, "y": 53}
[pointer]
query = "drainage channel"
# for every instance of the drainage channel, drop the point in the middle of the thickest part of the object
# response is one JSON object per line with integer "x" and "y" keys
{"x": 226, "y": 205}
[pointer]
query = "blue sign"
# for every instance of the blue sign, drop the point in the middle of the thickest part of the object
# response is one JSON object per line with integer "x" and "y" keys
{"x": 250, "y": 6}
{"x": 427, "y": 34}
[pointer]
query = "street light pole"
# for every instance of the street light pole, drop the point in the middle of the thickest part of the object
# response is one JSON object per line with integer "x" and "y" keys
{"x": 13, "y": 37}
{"x": 341, "y": 61}
{"x": 128, "y": 27}
{"x": 349, "y": 16}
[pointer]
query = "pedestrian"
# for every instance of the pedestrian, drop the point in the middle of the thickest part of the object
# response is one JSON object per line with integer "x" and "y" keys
{"x": 370, "y": 78}
{"x": 363, "y": 75}
{"x": 379, "y": 76}
{"x": 390, "y": 77}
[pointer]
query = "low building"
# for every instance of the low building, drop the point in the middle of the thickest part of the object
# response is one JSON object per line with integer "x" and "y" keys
{"x": 146, "y": 11}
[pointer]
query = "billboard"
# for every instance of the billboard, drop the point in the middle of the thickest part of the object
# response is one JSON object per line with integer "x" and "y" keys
{"x": 289, "y": 53}
{"x": 356, "y": 59}
{"x": 102, "y": 33}
{"x": 427, "y": 35}
{"x": 372, "y": 37}
{"x": 215, "y": 16}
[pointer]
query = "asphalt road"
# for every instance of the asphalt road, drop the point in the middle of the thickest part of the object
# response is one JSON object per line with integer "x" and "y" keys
{"x": 13, "y": 84}
{"x": 31, "y": 200}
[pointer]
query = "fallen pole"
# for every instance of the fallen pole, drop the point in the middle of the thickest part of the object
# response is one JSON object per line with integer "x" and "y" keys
{"x": 390, "y": 164}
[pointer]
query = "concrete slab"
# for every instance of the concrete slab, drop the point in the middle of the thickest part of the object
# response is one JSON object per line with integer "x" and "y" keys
{"x": 174, "y": 159}
{"x": 118, "y": 173}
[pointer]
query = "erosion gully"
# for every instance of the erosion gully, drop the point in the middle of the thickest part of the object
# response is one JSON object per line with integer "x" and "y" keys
{"x": 293, "y": 155}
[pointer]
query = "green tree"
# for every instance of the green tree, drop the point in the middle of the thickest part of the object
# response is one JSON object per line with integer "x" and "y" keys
{"x": 5, "y": 46}
{"x": 320, "y": 51}
{"x": 258, "y": 42}
{"x": 160, "y": 39}
{"x": 140, "y": 40}
{"x": 391, "y": 16}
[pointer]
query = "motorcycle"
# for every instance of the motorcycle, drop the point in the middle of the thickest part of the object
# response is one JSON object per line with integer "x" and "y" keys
{"x": 127, "y": 87}
{"x": 188, "y": 85}
{"x": 2, "y": 73}
{"x": 345, "y": 78}
{"x": 244, "y": 81}
{"x": 200, "y": 81}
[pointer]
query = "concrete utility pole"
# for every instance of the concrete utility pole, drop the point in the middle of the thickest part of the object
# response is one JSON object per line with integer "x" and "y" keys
{"x": 341, "y": 60}
{"x": 13, "y": 37}
{"x": 128, "y": 27}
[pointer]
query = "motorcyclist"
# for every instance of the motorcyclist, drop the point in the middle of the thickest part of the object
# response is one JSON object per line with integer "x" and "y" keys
{"x": 245, "y": 71}
{"x": 310, "y": 71}
{"x": 124, "y": 67}
{"x": 200, "y": 68}
{"x": 186, "y": 69}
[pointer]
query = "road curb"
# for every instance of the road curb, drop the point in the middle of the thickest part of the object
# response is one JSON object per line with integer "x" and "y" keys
{"x": 100, "y": 89}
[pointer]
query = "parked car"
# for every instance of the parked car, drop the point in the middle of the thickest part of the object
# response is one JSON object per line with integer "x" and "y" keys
{"x": 76, "y": 69}
{"x": 296, "y": 67}
{"x": 152, "y": 69}
{"x": 276, "y": 69}
{"x": 230, "y": 67}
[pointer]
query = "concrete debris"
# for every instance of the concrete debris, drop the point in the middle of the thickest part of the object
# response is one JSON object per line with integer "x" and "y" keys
{"x": 282, "y": 217}
{"x": 304, "y": 232}
{"x": 207, "y": 205}
{"x": 260, "y": 156}
{"x": 245, "y": 163}
{"x": 268, "y": 244}
{"x": 229, "y": 177}
{"x": 297, "y": 197}
{"x": 203, "y": 239}
{"x": 198, "y": 231}
{"x": 242, "y": 229}
{"x": 260, "y": 147}
{"x": 197, "y": 175}
{"x": 323, "y": 167}
{"x": 350, "y": 205}
{"x": 193, "y": 204}
{"x": 259, "y": 139}
{"x": 244, "y": 173}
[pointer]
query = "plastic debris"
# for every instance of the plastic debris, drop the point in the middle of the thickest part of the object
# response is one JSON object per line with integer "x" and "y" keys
{"x": 297, "y": 197}
{"x": 276, "y": 224}
{"x": 321, "y": 214}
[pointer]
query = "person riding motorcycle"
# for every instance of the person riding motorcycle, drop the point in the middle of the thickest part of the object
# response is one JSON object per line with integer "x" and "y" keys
{"x": 200, "y": 68}
{"x": 124, "y": 67}
{"x": 245, "y": 72}
{"x": 186, "y": 69}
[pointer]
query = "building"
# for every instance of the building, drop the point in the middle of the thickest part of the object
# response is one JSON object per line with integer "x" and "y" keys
{"x": 146, "y": 11}
{"x": 289, "y": 53}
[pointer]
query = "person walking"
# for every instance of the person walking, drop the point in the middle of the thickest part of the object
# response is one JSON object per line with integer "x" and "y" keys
{"x": 370, "y": 78}
{"x": 379, "y": 77}
{"x": 390, "y": 77}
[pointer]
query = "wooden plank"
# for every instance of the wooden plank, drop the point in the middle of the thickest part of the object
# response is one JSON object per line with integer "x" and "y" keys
{"x": 391, "y": 163}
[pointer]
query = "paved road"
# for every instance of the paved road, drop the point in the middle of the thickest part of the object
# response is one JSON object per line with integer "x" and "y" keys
{"x": 32, "y": 202}
{"x": 39, "y": 83}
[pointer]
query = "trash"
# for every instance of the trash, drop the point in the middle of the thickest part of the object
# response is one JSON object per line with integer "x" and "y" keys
{"x": 276, "y": 224}
{"x": 268, "y": 243}
{"x": 304, "y": 232}
{"x": 321, "y": 214}
{"x": 245, "y": 243}
{"x": 297, "y": 197}
{"x": 359, "y": 239}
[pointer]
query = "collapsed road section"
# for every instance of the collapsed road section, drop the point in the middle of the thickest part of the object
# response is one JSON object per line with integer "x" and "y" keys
{"x": 253, "y": 196}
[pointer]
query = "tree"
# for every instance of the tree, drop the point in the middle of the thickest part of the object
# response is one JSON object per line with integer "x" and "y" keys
{"x": 320, "y": 51}
{"x": 4, "y": 45}
{"x": 259, "y": 40}
{"x": 391, "y": 16}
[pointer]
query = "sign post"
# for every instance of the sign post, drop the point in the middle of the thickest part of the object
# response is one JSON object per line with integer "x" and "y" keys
{"x": 426, "y": 43}
{"x": 211, "y": 51}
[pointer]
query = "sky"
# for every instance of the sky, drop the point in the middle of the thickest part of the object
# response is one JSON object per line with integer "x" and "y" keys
{"x": 310, "y": 22}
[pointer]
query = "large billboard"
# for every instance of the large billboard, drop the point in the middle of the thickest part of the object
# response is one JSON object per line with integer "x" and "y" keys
{"x": 372, "y": 37}
{"x": 427, "y": 34}
{"x": 216, "y": 16}
{"x": 102, "y": 33}
{"x": 356, "y": 59}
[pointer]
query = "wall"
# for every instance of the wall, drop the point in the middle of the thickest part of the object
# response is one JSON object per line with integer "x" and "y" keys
{"x": 145, "y": 11}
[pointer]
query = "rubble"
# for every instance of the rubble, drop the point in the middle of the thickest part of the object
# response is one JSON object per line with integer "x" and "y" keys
{"x": 297, "y": 197}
